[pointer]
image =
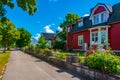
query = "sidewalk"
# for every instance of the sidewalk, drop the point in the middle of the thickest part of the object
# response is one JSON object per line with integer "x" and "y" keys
{"x": 25, "y": 67}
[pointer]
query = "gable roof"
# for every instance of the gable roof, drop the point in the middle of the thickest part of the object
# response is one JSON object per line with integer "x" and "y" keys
{"x": 107, "y": 7}
{"x": 48, "y": 36}
{"x": 86, "y": 24}
{"x": 115, "y": 16}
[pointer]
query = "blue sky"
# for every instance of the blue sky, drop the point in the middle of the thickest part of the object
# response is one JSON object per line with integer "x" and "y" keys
{"x": 51, "y": 13}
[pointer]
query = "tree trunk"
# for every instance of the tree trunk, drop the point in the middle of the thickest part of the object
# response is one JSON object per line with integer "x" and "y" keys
{"x": 4, "y": 48}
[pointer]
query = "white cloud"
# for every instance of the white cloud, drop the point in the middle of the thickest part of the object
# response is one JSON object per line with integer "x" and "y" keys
{"x": 37, "y": 36}
{"x": 47, "y": 29}
{"x": 86, "y": 15}
{"x": 59, "y": 29}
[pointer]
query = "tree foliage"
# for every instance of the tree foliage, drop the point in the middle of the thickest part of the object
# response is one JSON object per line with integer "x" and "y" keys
{"x": 42, "y": 42}
{"x": 69, "y": 19}
{"x": 25, "y": 38}
{"x": 58, "y": 44}
{"x": 26, "y": 5}
{"x": 8, "y": 33}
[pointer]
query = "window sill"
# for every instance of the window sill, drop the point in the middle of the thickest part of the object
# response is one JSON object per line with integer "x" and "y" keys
{"x": 80, "y": 44}
{"x": 95, "y": 44}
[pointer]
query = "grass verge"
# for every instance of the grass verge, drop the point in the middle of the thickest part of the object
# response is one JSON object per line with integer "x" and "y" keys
{"x": 3, "y": 60}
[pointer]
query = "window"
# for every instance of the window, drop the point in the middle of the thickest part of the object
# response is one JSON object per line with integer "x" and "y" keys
{"x": 99, "y": 18}
{"x": 68, "y": 29}
{"x": 96, "y": 19}
{"x": 94, "y": 37}
{"x": 80, "y": 40}
{"x": 103, "y": 37}
{"x": 49, "y": 44}
{"x": 102, "y": 17}
{"x": 80, "y": 23}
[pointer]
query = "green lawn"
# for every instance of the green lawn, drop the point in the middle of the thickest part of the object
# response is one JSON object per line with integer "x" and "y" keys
{"x": 3, "y": 60}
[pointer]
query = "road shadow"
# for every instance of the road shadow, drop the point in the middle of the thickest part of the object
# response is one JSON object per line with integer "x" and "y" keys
{"x": 63, "y": 70}
{"x": 38, "y": 60}
{"x": 74, "y": 75}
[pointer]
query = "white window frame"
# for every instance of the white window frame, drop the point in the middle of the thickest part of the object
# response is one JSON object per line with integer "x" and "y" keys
{"x": 105, "y": 36}
{"x": 93, "y": 38}
{"x": 80, "y": 40}
{"x": 100, "y": 20}
{"x": 80, "y": 24}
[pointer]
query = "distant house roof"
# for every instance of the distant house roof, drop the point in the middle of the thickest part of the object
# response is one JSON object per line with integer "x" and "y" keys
{"x": 48, "y": 36}
{"x": 115, "y": 14}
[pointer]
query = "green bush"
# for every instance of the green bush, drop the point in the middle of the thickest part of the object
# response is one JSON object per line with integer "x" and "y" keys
{"x": 104, "y": 61}
{"x": 43, "y": 51}
{"x": 60, "y": 56}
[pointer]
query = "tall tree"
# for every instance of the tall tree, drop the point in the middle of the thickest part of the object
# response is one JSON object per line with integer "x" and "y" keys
{"x": 25, "y": 38}
{"x": 8, "y": 33}
{"x": 42, "y": 42}
{"x": 70, "y": 18}
{"x": 26, "y": 5}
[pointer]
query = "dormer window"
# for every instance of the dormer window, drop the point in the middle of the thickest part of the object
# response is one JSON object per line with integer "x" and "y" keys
{"x": 100, "y": 18}
{"x": 100, "y": 13}
{"x": 80, "y": 24}
{"x": 96, "y": 19}
{"x": 103, "y": 17}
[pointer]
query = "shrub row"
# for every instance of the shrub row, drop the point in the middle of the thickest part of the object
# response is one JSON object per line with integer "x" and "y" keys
{"x": 104, "y": 61}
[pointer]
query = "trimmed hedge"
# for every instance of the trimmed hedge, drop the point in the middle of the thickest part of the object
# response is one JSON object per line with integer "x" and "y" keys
{"x": 104, "y": 61}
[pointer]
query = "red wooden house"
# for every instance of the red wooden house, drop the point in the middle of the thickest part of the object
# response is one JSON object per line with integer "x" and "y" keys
{"x": 100, "y": 29}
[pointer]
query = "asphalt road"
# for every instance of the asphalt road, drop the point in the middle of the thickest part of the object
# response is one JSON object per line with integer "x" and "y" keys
{"x": 25, "y": 67}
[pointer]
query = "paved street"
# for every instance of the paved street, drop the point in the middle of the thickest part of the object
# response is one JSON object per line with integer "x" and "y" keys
{"x": 25, "y": 67}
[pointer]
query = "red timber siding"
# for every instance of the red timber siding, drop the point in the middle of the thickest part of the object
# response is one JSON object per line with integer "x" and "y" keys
{"x": 72, "y": 39}
{"x": 69, "y": 38}
{"x": 99, "y": 9}
{"x": 114, "y": 36}
{"x": 69, "y": 41}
